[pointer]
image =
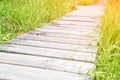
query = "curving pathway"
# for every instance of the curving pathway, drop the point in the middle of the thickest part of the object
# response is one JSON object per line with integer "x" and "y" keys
{"x": 64, "y": 49}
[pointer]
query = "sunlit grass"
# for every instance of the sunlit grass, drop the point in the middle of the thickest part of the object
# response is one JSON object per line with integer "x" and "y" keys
{"x": 108, "y": 59}
{"x": 18, "y": 16}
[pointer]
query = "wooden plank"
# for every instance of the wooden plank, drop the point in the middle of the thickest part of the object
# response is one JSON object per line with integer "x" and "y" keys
{"x": 57, "y": 39}
{"x": 82, "y": 19}
{"x": 66, "y": 32}
{"x": 14, "y": 72}
{"x": 78, "y": 19}
{"x": 78, "y": 28}
{"x": 37, "y": 51}
{"x": 74, "y": 23}
{"x": 47, "y": 63}
{"x": 61, "y": 46}
{"x": 67, "y": 28}
{"x": 79, "y": 16}
{"x": 77, "y": 13}
{"x": 64, "y": 35}
{"x": 80, "y": 31}
{"x": 72, "y": 26}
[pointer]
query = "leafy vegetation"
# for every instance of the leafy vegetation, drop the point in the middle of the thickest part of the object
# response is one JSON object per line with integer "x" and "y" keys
{"x": 108, "y": 60}
{"x": 18, "y": 16}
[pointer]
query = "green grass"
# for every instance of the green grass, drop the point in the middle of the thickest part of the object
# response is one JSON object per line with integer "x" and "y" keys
{"x": 19, "y": 16}
{"x": 108, "y": 59}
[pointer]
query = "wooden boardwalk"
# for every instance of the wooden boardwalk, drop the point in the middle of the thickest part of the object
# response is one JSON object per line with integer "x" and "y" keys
{"x": 64, "y": 49}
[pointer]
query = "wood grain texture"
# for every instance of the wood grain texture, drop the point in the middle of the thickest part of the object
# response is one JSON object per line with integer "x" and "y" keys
{"x": 65, "y": 35}
{"x": 78, "y": 19}
{"x": 86, "y": 42}
{"x": 55, "y": 53}
{"x": 47, "y": 63}
{"x": 53, "y": 45}
{"x": 66, "y": 32}
{"x": 71, "y": 26}
{"x": 63, "y": 22}
{"x": 67, "y": 28}
{"x": 13, "y": 72}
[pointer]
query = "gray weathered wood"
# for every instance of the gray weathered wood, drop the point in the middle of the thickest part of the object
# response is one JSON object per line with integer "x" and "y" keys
{"x": 66, "y": 32}
{"x": 64, "y": 35}
{"x": 37, "y": 51}
{"x": 72, "y": 26}
{"x": 80, "y": 17}
{"x": 13, "y": 72}
{"x": 53, "y": 45}
{"x": 47, "y": 63}
{"x": 83, "y": 19}
{"x": 28, "y": 36}
{"x": 67, "y": 28}
{"x": 74, "y": 23}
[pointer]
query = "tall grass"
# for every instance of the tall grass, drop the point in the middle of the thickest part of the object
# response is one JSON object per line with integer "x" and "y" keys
{"x": 18, "y": 16}
{"x": 108, "y": 59}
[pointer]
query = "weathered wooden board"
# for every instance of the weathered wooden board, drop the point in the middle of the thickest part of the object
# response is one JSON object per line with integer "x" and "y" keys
{"x": 37, "y": 51}
{"x": 66, "y": 32}
{"x": 63, "y": 22}
{"x": 28, "y": 36}
{"x": 47, "y": 63}
{"x": 78, "y": 15}
{"x": 72, "y": 26}
{"x": 63, "y": 28}
{"x": 64, "y": 35}
{"x": 82, "y": 19}
{"x": 53, "y": 45}
{"x": 13, "y": 72}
